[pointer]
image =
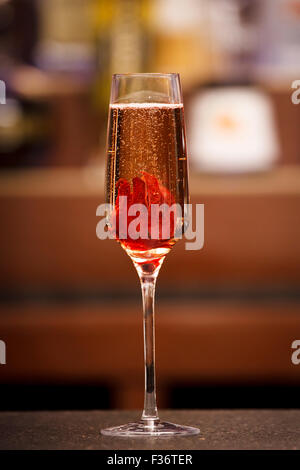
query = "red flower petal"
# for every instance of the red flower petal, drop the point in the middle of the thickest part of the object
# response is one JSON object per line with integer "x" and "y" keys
{"x": 146, "y": 190}
{"x": 153, "y": 195}
{"x": 166, "y": 195}
{"x": 139, "y": 191}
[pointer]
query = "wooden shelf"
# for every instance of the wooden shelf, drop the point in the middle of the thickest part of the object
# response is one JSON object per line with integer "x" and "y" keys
{"x": 35, "y": 84}
{"x": 209, "y": 342}
{"x": 89, "y": 181}
{"x": 252, "y": 231}
{"x": 283, "y": 180}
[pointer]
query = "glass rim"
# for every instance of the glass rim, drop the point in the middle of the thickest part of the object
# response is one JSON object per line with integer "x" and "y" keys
{"x": 146, "y": 74}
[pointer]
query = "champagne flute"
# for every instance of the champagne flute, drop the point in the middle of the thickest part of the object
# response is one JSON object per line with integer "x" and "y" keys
{"x": 146, "y": 164}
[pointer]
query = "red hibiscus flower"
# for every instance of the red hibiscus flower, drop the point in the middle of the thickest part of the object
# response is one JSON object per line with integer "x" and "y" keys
{"x": 145, "y": 190}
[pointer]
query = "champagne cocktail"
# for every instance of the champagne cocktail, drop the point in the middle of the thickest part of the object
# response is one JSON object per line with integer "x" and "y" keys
{"x": 147, "y": 189}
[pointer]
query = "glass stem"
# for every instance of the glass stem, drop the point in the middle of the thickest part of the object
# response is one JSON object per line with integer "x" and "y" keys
{"x": 150, "y": 414}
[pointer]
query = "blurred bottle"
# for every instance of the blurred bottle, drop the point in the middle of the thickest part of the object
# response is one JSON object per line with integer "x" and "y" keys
{"x": 234, "y": 38}
{"x": 182, "y": 40}
{"x": 124, "y": 39}
{"x": 128, "y": 37}
{"x": 24, "y": 123}
{"x": 205, "y": 40}
{"x": 6, "y": 37}
{"x": 66, "y": 41}
{"x": 279, "y": 40}
{"x": 18, "y": 31}
{"x": 24, "y": 133}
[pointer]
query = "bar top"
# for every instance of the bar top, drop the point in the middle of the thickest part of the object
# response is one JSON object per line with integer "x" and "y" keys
{"x": 219, "y": 429}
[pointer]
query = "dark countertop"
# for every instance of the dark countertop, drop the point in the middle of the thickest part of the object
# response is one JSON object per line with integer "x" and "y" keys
{"x": 219, "y": 429}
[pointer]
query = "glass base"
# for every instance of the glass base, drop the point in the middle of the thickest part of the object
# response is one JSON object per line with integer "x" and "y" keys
{"x": 157, "y": 429}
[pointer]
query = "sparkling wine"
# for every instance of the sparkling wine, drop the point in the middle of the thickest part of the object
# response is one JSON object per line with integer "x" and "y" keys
{"x": 146, "y": 161}
{"x": 147, "y": 169}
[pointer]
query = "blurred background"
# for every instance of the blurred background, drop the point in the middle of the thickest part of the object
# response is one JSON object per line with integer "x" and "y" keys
{"x": 70, "y": 303}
